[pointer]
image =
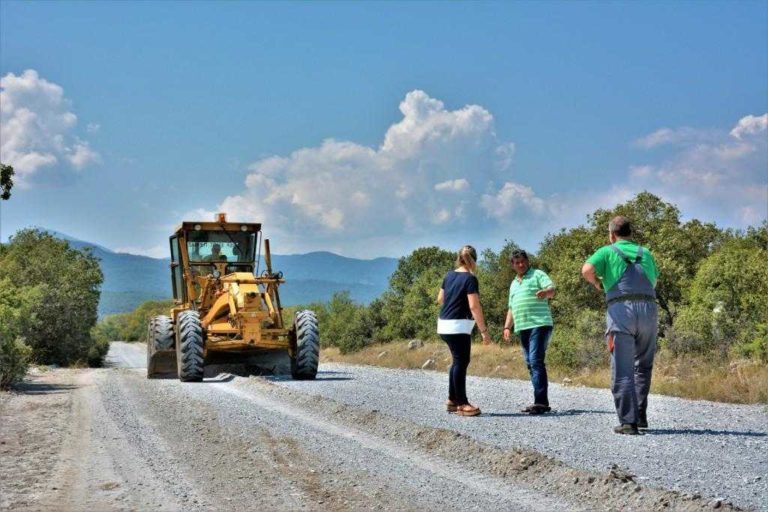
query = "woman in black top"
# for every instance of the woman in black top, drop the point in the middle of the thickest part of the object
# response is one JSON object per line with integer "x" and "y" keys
{"x": 460, "y": 299}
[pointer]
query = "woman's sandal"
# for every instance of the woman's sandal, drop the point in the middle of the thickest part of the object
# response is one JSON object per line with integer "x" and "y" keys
{"x": 467, "y": 410}
{"x": 451, "y": 406}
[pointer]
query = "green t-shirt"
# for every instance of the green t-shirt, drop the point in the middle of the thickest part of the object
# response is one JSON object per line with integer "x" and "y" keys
{"x": 609, "y": 267}
{"x": 528, "y": 311}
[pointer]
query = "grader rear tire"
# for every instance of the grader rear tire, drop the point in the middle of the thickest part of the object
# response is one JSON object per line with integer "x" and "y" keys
{"x": 159, "y": 337}
{"x": 190, "y": 350}
{"x": 307, "y": 355}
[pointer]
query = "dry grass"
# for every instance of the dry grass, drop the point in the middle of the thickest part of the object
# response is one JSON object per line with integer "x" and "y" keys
{"x": 742, "y": 382}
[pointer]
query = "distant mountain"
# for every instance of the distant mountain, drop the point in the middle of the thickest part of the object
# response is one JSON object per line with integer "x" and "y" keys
{"x": 130, "y": 280}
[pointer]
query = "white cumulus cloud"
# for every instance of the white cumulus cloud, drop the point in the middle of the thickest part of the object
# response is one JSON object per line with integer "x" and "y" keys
{"x": 427, "y": 176}
{"x": 513, "y": 197}
{"x": 38, "y": 128}
{"x": 750, "y": 125}
{"x": 453, "y": 185}
{"x": 713, "y": 175}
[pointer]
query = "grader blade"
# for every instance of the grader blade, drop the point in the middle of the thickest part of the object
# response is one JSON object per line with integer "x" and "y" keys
{"x": 162, "y": 364}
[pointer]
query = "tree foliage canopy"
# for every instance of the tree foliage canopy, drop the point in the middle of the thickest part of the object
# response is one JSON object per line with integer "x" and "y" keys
{"x": 6, "y": 181}
{"x": 48, "y": 296}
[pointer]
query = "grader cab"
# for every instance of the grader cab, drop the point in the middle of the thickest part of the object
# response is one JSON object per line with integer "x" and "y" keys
{"x": 225, "y": 309}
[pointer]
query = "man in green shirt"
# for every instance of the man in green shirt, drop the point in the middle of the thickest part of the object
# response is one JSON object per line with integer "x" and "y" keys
{"x": 529, "y": 310}
{"x": 627, "y": 273}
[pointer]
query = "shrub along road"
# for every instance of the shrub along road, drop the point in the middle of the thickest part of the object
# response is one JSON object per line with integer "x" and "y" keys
{"x": 358, "y": 439}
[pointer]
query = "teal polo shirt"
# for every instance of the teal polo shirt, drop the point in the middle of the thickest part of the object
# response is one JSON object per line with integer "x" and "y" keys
{"x": 527, "y": 310}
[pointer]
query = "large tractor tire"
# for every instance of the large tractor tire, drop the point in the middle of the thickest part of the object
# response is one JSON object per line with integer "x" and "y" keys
{"x": 307, "y": 354}
{"x": 159, "y": 338}
{"x": 189, "y": 353}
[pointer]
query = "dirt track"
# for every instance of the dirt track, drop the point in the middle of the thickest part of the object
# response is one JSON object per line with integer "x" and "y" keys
{"x": 110, "y": 439}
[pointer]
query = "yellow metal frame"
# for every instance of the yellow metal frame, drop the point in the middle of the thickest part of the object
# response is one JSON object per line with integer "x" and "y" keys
{"x": 239, "y": 312}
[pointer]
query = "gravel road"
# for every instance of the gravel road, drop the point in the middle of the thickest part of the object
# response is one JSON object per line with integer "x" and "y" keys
{"x": 708, "y": 448}
{"x": 359, "y": 439}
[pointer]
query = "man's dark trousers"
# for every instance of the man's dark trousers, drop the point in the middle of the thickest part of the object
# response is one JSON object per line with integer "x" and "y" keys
{"x": 534, "y": 342}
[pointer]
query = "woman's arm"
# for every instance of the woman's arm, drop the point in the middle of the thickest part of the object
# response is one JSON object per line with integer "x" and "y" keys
{"x": 477, "y": 314}
{"x": 440, "y": 296}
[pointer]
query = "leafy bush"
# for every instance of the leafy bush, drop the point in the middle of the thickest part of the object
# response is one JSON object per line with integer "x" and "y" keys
{"x": 14, "y": 361}
{"x": 52, "y": 292}
{"x": 336, "y": 318}
{"x": 409, "y": 305}
{"x": 692, "y": 332}
{"x": 728, "y": 303}
{"x": 358, "y": 333}
{"x": 755, "y": 346}
{"x": 581, "y": 345}
{"x": 127, "y": 326}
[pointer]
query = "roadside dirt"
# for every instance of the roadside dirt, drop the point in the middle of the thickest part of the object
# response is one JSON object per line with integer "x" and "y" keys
{"x": 33, "y": 425}
{"x": 110, "y": 439}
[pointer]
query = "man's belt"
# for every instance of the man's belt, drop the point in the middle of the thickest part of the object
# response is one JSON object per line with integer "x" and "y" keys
{"x": 624, "y": 298}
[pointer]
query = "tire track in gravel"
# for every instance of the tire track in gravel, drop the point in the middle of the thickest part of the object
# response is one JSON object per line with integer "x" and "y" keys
{"x": 502, "y": 492}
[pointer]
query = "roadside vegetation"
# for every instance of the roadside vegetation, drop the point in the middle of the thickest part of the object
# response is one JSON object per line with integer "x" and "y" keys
{"x": 713, "y": 300}
{"x": 49, "y": 293}
{"x": 741, "y": 381}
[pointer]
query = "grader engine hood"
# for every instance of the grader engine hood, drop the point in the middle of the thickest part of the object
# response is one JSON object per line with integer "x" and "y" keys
{"x": 239, "y": 307}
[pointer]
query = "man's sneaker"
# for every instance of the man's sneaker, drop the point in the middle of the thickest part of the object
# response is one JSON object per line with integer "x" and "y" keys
{"x": 642, "y": 422}
{"x": 629, "y": 429}
{"x": 536, "y": 409}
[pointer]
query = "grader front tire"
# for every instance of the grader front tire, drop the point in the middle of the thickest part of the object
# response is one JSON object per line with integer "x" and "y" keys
{"x": 190, "y": 351}
{"x": 307, "y": 355}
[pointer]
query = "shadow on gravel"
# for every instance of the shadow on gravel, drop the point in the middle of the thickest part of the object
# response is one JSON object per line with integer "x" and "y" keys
{"x": 320, "y": 377}
{"x": 704, "y": 432}
{"x": 575, "y": 412}
{"x": 554, "y": 413}
{"x": 32, "y": 388}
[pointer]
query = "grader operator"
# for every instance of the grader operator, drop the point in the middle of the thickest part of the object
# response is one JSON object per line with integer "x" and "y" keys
{"x": 224, "y": 309}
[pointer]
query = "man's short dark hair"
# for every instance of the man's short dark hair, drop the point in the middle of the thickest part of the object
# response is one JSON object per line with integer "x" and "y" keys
{"x": 518, "y": 253}
{"x": 620, "y": 226}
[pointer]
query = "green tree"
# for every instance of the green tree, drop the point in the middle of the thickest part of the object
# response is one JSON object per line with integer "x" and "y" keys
{"x": 495, "y": 275}
{"x": 65, "y": 285}
{"x": 14, "y": 361}
{"x": 410, "y": 267}
{"x": 340, "y": 313}
{"x": 6, "y": 181}
{"x": 420, "y": 308}
{"x": 679, "y": 248}
{"x": 413, "y": 287}
{"x": 728, "y": 303}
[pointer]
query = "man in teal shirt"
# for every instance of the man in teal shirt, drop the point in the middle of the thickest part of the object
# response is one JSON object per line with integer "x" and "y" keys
{"x": 627, "y": 273}
{"x": 529, "y": 310}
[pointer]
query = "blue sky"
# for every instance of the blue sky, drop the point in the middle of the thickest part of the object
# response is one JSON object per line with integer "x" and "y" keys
{"x": 371, "y": 129}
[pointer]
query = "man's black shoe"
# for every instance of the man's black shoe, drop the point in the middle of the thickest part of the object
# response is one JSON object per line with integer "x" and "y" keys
{"x": 537, "y": 409}
{"x": 629, "y": 429}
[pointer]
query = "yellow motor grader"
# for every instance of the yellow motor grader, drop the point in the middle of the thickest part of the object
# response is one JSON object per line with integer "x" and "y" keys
{"x": 224, "y": 309}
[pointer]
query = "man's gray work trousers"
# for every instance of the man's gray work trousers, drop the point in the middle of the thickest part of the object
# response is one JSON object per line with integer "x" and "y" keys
{"x": 632, "y": 329}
